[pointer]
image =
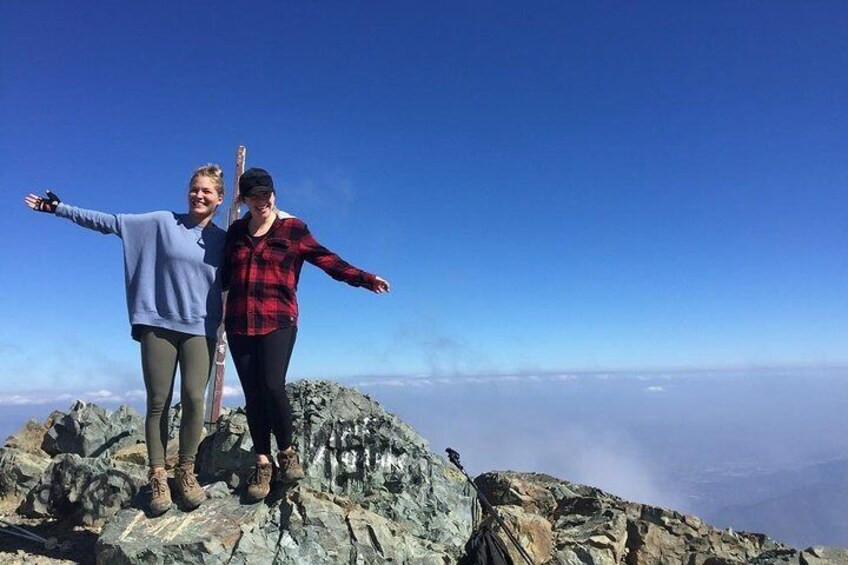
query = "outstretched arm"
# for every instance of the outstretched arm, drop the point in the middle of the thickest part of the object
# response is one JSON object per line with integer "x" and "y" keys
{"x": 339, "y": 269}
{"x": 91, "y": 219}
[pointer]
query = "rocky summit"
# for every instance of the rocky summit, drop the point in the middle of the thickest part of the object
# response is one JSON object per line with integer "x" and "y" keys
{"x": 373, "y": 493}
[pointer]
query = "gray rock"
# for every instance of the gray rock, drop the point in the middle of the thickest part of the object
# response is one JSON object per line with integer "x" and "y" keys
{"x": 204, "y": 536}
{"x": 786, "y": 556}
{"x": 822, "y": 555}
{"x": 175, "y": 415}
{"x": 809, "y": 556}
{"x": 218, "y": 490}
{"x": 90, "y": 431}
{"x": 304, "y": 527}
{"x": 349, "y": 445}
{"x": 228, "y": 451}
{"x": 20, "y": 472}
{"x": 84, "y": 491}
{"x": 311, "y": 528}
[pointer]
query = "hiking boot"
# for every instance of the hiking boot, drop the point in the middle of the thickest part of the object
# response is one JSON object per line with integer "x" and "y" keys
{"x": 160, "y": 494}
{"x": 187, "y": 485}
{"x": 259, "y": 482}
{"x": 290, "y": 469}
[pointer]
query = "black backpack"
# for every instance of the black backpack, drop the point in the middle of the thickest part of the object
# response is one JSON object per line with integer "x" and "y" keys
{"x": 485, "y": 548}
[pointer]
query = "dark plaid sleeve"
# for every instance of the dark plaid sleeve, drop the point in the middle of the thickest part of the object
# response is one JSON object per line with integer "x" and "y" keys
{"x": 332, "y": 264}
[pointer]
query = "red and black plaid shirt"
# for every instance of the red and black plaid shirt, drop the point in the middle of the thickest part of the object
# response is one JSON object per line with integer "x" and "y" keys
{"x": 262, "y": 276}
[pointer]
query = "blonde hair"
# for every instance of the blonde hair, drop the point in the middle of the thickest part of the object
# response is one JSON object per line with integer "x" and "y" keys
{"x": 212, "y": 171}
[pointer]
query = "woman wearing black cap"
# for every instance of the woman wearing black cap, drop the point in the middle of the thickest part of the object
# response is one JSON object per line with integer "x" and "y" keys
{"x": 263, "y": 256}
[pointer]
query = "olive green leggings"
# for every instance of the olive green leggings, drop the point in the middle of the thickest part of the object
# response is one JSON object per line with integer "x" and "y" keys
{"x": 161, "y": 351}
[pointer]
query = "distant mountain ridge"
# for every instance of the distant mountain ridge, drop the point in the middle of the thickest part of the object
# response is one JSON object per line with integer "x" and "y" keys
{"x": 810, "y": 505}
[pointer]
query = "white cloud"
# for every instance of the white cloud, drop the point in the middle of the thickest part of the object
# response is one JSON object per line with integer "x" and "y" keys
{"x": 18, "y": 400}
{"x": 564, "y": 377}
{"x": 655, "y": 388}
{"x": 385, "y": 382}
{"x": 230, "y": 391}
{"x": 51, "y": 398}
{"x": 101, "y": 394}
{"x": 424, "y": 381}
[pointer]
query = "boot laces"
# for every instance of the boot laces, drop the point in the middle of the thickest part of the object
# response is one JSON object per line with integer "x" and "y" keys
{"x": 288, "y": 459}
{"x": 256, "y": 477}
{"x": 187, "y": 478}
{"x": 158, "y": 484}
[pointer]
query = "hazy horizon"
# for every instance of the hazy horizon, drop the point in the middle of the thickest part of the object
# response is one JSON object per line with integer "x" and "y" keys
{"x": 722, "y": 446}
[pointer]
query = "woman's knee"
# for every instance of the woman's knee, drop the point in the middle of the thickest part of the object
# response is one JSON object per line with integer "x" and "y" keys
{"x": 192, "y": 402}
{"x": 277, "y": 389}
{"x": 157, "y": 404}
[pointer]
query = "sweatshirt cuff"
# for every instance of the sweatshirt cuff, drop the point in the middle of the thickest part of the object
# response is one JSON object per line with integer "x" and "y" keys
{"x": 369, "y": 281}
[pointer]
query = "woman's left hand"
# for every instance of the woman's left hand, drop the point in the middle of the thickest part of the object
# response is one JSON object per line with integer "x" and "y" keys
{"x": 381, "y": 285}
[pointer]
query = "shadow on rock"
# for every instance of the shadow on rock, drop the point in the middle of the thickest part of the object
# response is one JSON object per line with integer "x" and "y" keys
{"x": 76, "y": 545}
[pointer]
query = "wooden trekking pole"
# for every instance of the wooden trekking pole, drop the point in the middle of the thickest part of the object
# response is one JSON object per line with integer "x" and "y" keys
{"x": 216, "y": 380}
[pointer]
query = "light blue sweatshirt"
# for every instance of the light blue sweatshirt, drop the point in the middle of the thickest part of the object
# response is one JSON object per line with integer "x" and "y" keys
{"x": 170, "y": 264}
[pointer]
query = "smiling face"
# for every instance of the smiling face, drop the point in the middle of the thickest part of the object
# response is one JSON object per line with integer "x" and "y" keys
{"x": 261, "y": 206}
{"x": 203, "y": 198}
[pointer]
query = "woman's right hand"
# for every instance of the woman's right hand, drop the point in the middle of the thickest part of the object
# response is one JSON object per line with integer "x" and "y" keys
{"x": 47, "y": 204}
{"x": 381, "y": 285}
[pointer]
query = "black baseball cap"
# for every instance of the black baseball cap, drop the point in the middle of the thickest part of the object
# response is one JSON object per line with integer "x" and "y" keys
{"x": 255, "y": 181}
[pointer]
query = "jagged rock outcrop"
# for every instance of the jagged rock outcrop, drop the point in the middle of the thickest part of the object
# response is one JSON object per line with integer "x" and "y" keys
{"x": 20, "y": 471}
{"x": 565, "y": 523}
{"x": 374, "y": 493}
{"x": 89, "y": 430}
{"x": 228, "y": 452}
{"x": 350, "y": 446}
{"x": 205, "y": 536}
{"x": 82, "y": 483}
{"x": 31, "y": 436}
{"x": 23, "y": 462}
{"x": 304, "y": 527}
{"x": 84, "y": 490}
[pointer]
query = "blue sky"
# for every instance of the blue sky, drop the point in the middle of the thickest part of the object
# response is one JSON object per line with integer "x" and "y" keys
{"x": 556, "y": 187}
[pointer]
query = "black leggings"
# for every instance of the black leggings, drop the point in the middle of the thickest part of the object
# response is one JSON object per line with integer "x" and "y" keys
{"x": 262, "y": 362}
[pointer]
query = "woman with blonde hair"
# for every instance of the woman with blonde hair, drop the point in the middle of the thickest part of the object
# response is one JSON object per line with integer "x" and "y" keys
{"x": 173, "y": 290}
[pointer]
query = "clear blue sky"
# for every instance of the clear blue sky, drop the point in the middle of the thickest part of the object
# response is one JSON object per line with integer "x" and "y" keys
{"x": 554, "y": 187}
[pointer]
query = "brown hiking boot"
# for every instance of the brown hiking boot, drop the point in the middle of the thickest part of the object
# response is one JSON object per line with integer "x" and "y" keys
{"x": 290, "y": 469}
{"x": 259, "y": 482}
{"x": 160, "y": 494}
{"x": 187, "y": 485}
